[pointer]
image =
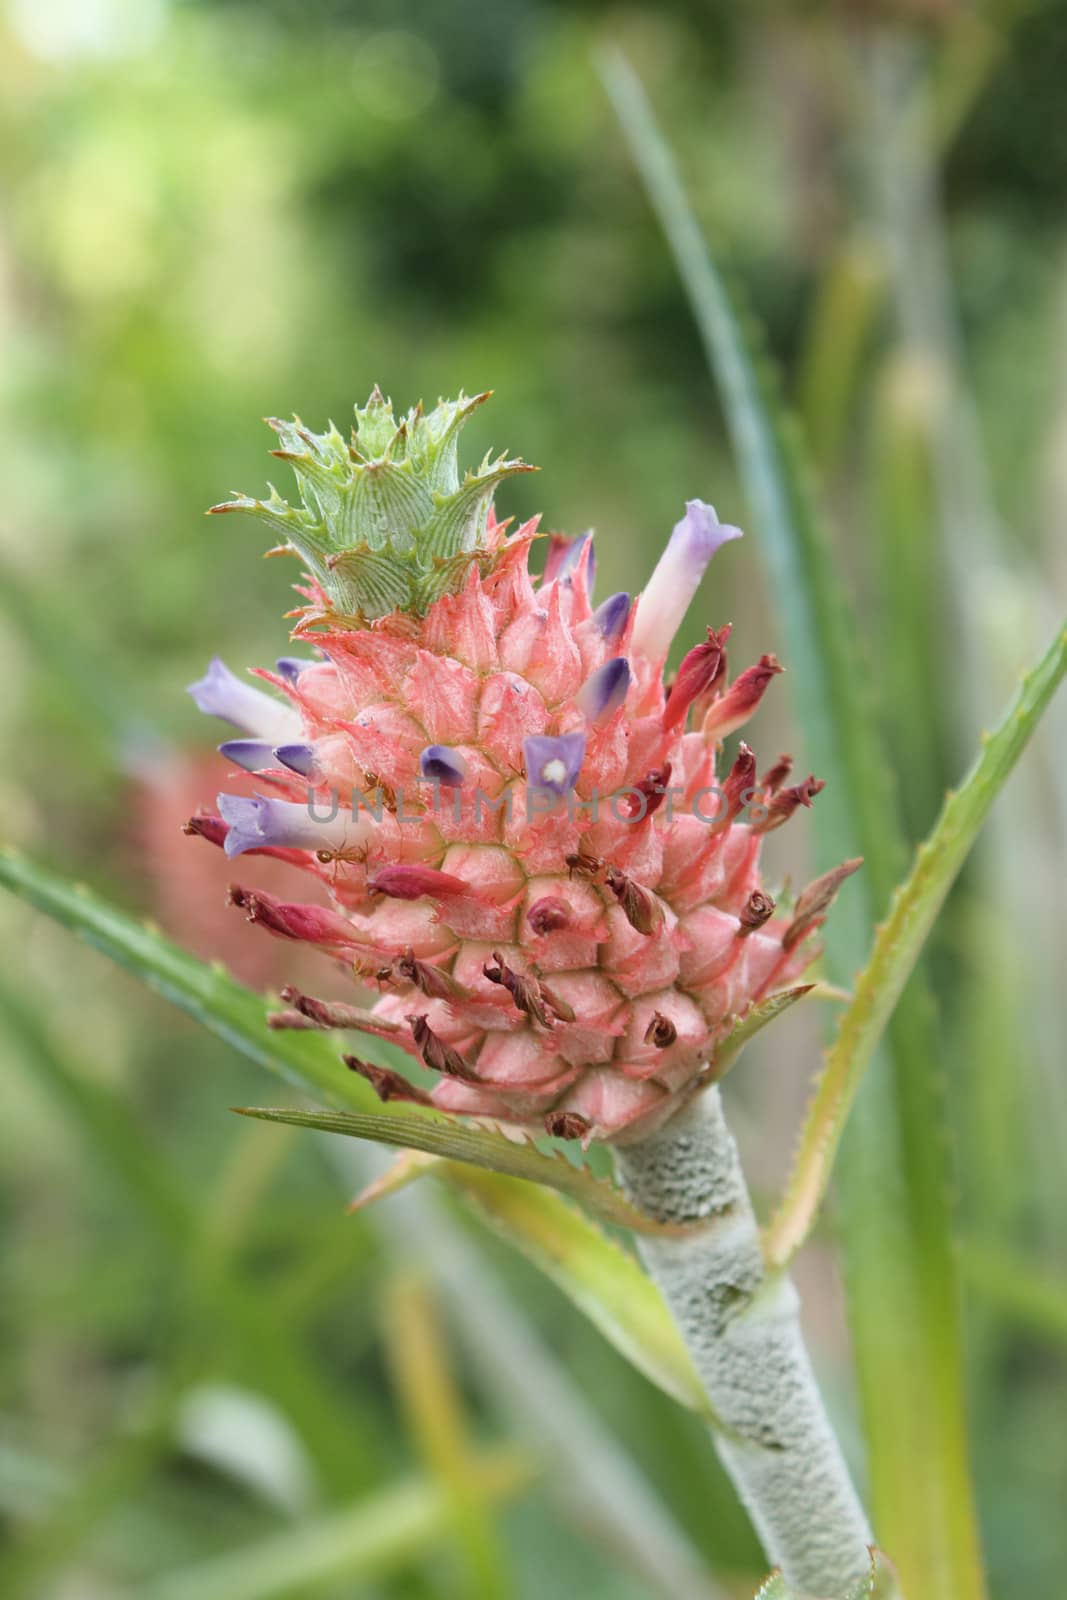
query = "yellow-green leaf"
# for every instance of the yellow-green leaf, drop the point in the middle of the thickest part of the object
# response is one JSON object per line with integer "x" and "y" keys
{"x": 595, "y": 1272}
{"x": 898, "y": 946}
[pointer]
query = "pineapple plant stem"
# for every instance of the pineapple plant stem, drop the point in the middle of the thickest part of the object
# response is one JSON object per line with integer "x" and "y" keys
{"x": 742, "y": 1329}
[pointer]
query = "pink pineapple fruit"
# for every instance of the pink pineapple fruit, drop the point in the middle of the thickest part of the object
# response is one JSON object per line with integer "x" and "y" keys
{"x": 526, "y": 837}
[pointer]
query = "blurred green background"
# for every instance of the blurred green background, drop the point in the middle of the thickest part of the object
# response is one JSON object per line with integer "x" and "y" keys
{"x": 212, "y": 1383}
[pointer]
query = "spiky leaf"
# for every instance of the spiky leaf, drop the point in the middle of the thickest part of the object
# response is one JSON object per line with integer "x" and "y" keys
{"x": 898, "y": 946}
{"x": 475, "y": 1146}
{"x": 385, "y": 523}
{"x": 753, "y": 1022}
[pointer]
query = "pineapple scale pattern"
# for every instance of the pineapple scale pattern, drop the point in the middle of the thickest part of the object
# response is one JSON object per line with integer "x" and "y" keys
{"x": 533, "y": 849}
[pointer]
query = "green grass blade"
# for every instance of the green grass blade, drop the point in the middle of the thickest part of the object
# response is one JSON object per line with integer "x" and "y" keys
{"x": 205, "y": 991}
{"x": 267, "y": 1350}
{"x": 895, "y": 1217}
{"x": 427, "y": 1388}
{"x": 107, "y": 1127}
{"x": 383, "y": 1534}
{"x": 48, "y": 1545}
{"x": 898, "y": 946}
{"x": 1031, "y": 1296}
{"x": 843, "y": 318}
{"x": 820, "y": 640}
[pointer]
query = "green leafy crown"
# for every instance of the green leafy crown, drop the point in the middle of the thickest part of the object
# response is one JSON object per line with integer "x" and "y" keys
{"x": 385, "y": 522}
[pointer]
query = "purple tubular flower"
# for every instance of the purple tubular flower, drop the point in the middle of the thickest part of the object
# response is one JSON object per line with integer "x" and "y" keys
{"x": 439, "y": 764}
{"x": 297, "y": 757}
{"x": 606, "y": 689}
{"x": 611, "y": 617}
{"x": 251, "y": 754}
{"x": 573, "y": 555}
{"x": 290, "y": 667}
{"x": 261, "y": 823}
{"x": 677, "y": 576}
{"x": 554, "y": 764}
{"x": 221, "y": 694}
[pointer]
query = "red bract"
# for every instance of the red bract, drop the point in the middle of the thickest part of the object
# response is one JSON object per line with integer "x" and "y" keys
{"x": 560, "y": 923}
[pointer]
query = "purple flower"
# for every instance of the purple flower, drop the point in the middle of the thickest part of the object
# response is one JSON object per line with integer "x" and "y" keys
{"x": 564, "y": 556}
{"x": 290, "y": 667}
{"x": 572, "y": 557}
{"x": 297, "y": 757}
{"x": 251, "y": 754}
{"x": 611, "y": 617}
{"x": 679, "y": 570}
{"x": 605, "y": 690}
{"x": 221, "y": 694}
{"x": 439, "y": 764}
{"x": 261, "y": 823}
{"x": 554, "y": 764}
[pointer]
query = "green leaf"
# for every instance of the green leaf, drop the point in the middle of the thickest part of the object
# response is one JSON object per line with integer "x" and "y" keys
{"x": 1025, "y": 1292}
{"x": 384, "y": 506}
{"x": 594, "y": 1272}
{"x": 370, "y": 581}
{"x": 898, "y": 946}
{"x": 475, "y": 1146}
{"x": 381, "y": 1534}
{"x": 821, "y": 645}
{"x": 381, "y": 523}
{"x": 207, "y": 1289}
{"x": 458, "y": 521}
{"x": 434, "y": 446}
{"x": 753, "y": 1021}
{"x": 899, "y": 1251}
{"x": 205, "y": 991}
{"x": 843, "y": 318}
{"x": 432, "y": 1404}
{"x": 306, "y": 533}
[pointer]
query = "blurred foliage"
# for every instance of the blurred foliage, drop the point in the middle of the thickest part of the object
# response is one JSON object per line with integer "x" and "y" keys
{"x": 212, "y": 212}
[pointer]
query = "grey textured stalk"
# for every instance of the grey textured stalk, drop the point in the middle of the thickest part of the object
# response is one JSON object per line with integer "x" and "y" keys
{"x": 743, "y": 1334}
{"x": 594, "y": 1481}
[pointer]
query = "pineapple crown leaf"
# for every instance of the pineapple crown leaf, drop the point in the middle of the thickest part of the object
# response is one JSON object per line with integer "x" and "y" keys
{"x": 385, "y": 523}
